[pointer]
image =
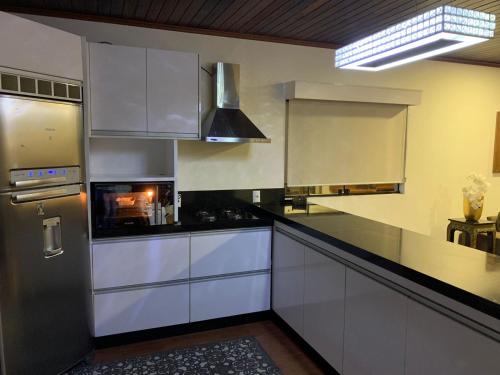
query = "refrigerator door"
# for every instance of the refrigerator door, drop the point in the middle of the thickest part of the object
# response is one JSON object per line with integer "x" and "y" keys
{"x": 38, "y": 133}
{"x": 44, "y": 283}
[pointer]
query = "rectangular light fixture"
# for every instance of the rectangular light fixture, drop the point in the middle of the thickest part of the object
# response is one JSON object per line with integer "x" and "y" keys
{"x": 432, "y": 33}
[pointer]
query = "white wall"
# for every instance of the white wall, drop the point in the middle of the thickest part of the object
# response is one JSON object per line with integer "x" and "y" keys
{"x": 449, "y": 135}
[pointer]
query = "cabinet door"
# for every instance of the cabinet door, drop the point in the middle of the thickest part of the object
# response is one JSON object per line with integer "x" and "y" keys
{"x": 232, "y": 296}
{"x": 117, "y": 88}
{"x": 375, "y": 327}
{"x": 324, "y": 289}
{"x": 172, "y": 93}
{"x": 288, "y": 281}
{"x": 34, "y": 47}
{"x": 140, "y": 262}
{"x": 436, "y": 344}
{"x": 230, "y": 252}
{"x": 134, "y": 310}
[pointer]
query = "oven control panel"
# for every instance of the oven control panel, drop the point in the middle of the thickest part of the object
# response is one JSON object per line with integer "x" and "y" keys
{"x": 44, "y": 176}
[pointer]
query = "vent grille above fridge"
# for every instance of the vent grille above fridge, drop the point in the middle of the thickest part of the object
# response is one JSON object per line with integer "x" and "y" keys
{"x": 44, "y": 88}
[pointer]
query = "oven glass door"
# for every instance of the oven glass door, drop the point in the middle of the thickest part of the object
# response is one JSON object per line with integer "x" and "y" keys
{"x": 121, "y": 205}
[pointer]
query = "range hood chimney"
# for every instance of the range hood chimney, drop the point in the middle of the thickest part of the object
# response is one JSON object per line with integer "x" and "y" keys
{"x": 226, "y": 122}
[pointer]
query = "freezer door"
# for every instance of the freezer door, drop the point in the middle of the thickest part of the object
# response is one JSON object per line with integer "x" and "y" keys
{"x": 44, "y": 284}
{"x": 36, "y": 133}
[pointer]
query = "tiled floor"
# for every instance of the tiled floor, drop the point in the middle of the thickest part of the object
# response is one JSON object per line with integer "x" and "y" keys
{"x": 287, "y": 355}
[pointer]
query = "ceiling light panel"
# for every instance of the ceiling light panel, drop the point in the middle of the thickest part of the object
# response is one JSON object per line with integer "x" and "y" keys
{"x": 434, "y": 32}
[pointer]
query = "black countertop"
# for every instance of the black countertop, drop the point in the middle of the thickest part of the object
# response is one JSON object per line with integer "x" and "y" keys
{"x": 187, "y": 223}
{"x": 469, "y": 276}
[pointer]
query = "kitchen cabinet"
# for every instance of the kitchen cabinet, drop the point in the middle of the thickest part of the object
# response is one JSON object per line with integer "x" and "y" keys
{"x": 217, "y": 253}
{"x": 437, "y": 344}
{"x": 361, "y": 324}
{"x": 324, "y": 288}
{"x": 34, "y": 47}
{"x": 172, "y": 93}
{"x": 230, "y": 273}
{"x": 144, "y": 283}
{"x": 125, "y": 263}
{"x": 223, "y": 297}
{"x": 117, "y": 77}
{"x": 143, "y": 92}
{"x": 288, "y": 280}
{"x": 138, "y": 309}
{"x": 375, "y": 327}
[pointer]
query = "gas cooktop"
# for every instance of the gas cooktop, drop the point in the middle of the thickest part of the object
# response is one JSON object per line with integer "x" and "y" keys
{"x": 223, "y": 215}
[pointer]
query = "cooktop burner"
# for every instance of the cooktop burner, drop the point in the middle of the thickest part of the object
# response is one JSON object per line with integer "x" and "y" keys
{"x": 226, "y": 214}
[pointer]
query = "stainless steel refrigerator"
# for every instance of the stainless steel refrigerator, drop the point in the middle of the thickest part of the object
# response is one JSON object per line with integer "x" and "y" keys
{"x": 44, "y": 257}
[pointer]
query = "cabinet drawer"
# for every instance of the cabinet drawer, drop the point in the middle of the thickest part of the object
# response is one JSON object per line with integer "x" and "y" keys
{"x": 229, "y": 252}
{"x": 140, "y": 262}
{"x": 134, "y": 310}
{"x": 232, "y": 296}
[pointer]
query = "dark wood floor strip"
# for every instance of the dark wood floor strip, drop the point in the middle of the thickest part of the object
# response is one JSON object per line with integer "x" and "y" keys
{"x": 288, "y": 355}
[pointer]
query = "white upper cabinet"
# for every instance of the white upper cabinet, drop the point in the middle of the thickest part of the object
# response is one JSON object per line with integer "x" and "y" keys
{"x": 143, "y": 92}
{"x": 172, "y": 93}
{"x": 31, "y": 46}
{"x": 118, "y": 88}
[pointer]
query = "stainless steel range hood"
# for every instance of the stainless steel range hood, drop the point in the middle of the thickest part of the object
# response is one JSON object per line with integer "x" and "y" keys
{"x": 226, "y": 122}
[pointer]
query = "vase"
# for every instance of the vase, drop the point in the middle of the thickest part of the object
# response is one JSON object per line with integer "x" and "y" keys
{"x": 470, "y": 213}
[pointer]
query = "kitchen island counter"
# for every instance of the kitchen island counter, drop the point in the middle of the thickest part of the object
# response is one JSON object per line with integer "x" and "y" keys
{"x": 468, "y": 276}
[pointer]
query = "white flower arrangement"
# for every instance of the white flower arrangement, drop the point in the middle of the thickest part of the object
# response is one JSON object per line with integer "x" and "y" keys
{"x": 475, "y": 191}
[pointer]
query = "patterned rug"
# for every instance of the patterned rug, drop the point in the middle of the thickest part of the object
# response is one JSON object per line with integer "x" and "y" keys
{"x": 242, "y": 356}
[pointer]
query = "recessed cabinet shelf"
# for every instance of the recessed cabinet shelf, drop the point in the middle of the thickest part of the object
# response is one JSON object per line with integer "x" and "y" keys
{"x": 125, "y": 159}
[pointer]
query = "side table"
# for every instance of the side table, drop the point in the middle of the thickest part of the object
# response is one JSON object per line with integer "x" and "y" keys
{"x": 471, "y": 230}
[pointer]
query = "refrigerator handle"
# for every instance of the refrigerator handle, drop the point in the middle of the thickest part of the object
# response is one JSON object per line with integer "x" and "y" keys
{"x": 36, "y": 195}
{"x": 41, "y": 182}
{"x": 52, "y": 245}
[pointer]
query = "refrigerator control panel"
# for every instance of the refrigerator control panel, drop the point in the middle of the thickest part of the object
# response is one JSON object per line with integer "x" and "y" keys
{"x": 45, "y": 176}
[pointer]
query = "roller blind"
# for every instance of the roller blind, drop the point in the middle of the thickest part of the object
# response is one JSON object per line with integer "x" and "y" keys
{"x": 337, "y": 143}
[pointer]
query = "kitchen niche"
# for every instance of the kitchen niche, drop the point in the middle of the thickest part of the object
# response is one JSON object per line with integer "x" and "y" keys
{"x": 125, "y": 159}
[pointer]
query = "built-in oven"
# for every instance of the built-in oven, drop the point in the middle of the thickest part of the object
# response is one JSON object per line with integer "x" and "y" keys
{"x": 123, "y": 208}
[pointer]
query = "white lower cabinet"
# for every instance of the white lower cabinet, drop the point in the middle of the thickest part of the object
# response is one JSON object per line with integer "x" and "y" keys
{"x": 375, "y": 327}
{"x": 134, "y": 310}
{"x": 324, "y": 288}
{"x": 161, "y": 281}
{"x": 135, "y": 262}
{"x": 218, "y": 253}
{"x": 288, "y": 281}
{"x": 361, "y": 326}
{"x": 218, "y": 298}
{"x": 438, "y": 345}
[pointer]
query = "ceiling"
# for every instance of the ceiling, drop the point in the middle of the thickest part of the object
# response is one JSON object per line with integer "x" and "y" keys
{"x": 323, "y": 23}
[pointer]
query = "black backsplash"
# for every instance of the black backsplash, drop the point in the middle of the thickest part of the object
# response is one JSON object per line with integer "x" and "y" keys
{"x": 216, "y": 199}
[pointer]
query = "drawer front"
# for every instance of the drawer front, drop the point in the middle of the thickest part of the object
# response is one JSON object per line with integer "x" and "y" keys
{"x": 221, "y": 253}
{"x": 232, "y": 296}
{"x": 134, "y": 310}
{"x": 140, "y": 262}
